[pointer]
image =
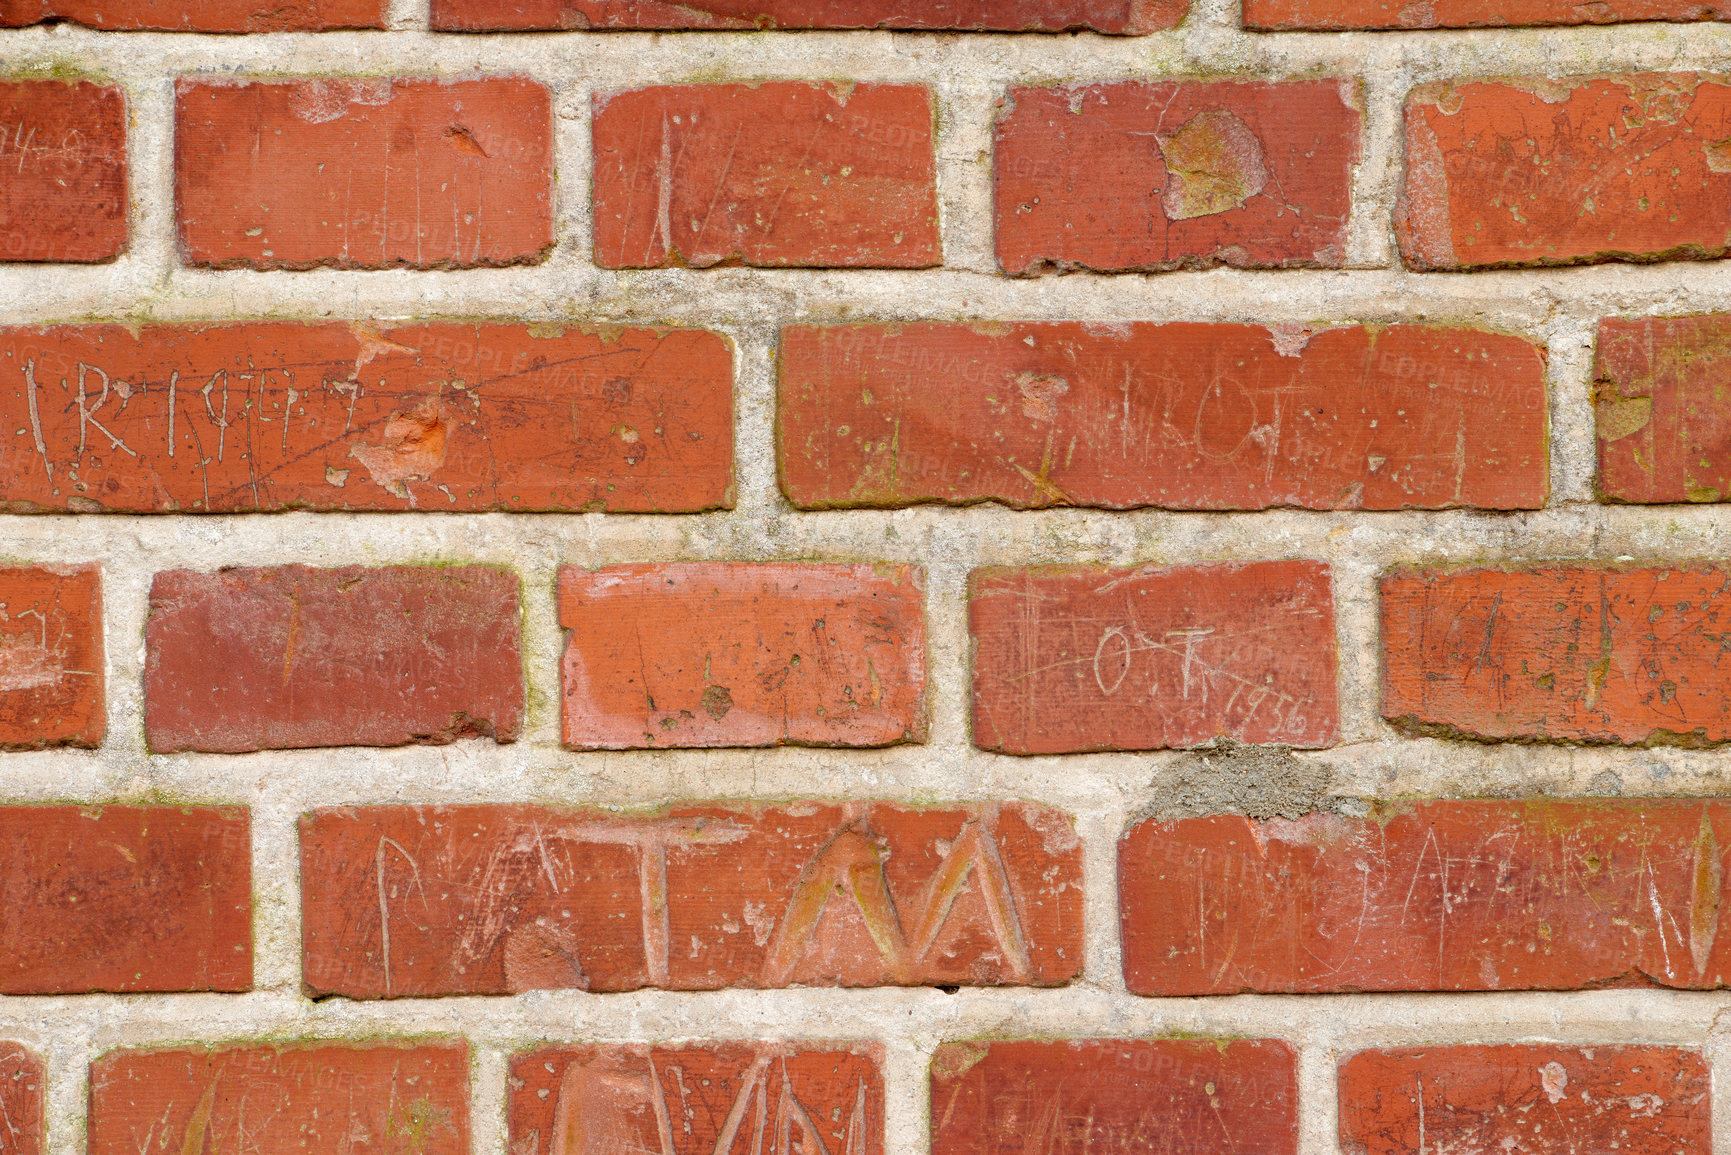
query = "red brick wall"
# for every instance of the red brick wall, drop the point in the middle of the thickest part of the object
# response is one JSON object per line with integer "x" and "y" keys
{"x": 1027, "y": 577}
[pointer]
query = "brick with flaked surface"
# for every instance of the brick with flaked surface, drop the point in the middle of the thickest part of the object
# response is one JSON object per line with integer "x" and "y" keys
{"x": 434, "y": 417}
{"x": 292, "y": 657}
{"x": 766, "y": 1098}
{"x": 23, "y": 1088}
{"x": 736, "y": 654}
{"x": 63, "y": 185}
{"x": 52, "y": 662}
{"x": 200, "y": 15}
{"x": 1181, "y": 416}
{"x": 1662, "y": 417}
{"x": 1127, "y": 17}
{"x": 1430, "y": 896}
{"x": 417, "y": 901}
{"x": 1341, "y": 15}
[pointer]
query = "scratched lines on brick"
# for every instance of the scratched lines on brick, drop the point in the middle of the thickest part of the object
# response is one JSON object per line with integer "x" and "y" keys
{"x": 404, "y": 902}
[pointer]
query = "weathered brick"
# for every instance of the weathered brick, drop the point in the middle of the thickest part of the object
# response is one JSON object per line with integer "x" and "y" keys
{"x": 697, "y": 1100}
{"x": 63, "y": 189}
{"x": 291, "y": 657}
{"x": 738, "y": 654}
{"x": 1548, "y": 1100}
{"x": 1664, "y": 423}
{"x": 51, "y": 658}
{"x": 1077, "y": 658}
{"x": 125, "y": 898}
{"x": 1138, "y": 175}
{"x": 268, "y": 416}
{"x": 367, "y": 1098}
{"x": 1541, "y": 172}
{"x": 774, "y": 174}
{"x": 1343, "y": 15}
{"x": 1184, "y": 416}
{"x": 21, "y": 1093}
{"x": 413, "y": 901}
{"x": 1199, "y": 1096}
{"x": 200, "y": 15}
{"x": 1570, "y": 653}
{"x": 1122, "y": 17}
{"x": 1431, "y": 896}
{"x": 363, "y": 174}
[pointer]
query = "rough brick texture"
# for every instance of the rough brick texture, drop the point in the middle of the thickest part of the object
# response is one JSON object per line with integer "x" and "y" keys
{"x": 1139, "y": 415}
{"x": 1129, "y": 17}
{"x": 781, "y": 174}
{"x": 291, "y": 657}
{"x": 1115, "y": 1095}
{"x": 1139, "y": 175}
{"x": 22, "y": 1090}
{"x": 63, "y": 186}
{"x": 727, "y": 1097}
{"x": 1539, "y": 172}
{"x": 200, "y": 15}
{"x": 410, "y": 901}
{"x": 125, "y": 898}
{"x": 446, "y": 417}
{"x": 1561, "y": 653}
{"x": 51, "y": 658}
{"x": 1543, "y": 1099}
{"x": 1664, "y": 423}
{"x": 380, "y": 1098}
{"x": 1430, "y": 896}
{"x": 363, "y": 174}
{"x": 1073, "y": 658}
{"x": 1339, "y": 15}
{"x": 719, "y": 654}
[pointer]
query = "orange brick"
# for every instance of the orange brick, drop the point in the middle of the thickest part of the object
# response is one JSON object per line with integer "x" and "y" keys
{"x": 402, "y": 901}
{"x": 1037, "y": 415}
{"x": 1342, "y": 15}
{"x": 21, "y": 1094}
{"x": 126, "y": 899}
{"x": 1078, "y": 658}
{"x": 774, "y": 174}
{"x": 200, "y": 15}
{"x": 63, "y": 189}
{"x": 738, "y": 654}
{"x": 1664, "y": 424}
{"x": 284, "y": 1099}
{"x": 1574, "y": 653}
{"x": 363, "y": 174}
{"x": 51, "y": 658}
{"x": 1134, "y": 175}
{"x": 1126, "y": 17}
{"x": 436, "y": 417}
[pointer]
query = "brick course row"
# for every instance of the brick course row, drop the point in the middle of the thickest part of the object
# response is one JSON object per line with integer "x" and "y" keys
{"x": 743, "y": 654}
{"x": 984, "y": 1096}
{"x": 433, "y": 174}
{"x": 425, "y": 901}
{"x": 1119, "y": 17}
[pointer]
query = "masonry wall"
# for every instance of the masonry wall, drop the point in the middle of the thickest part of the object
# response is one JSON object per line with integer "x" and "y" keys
{"x": 594, "y": 576}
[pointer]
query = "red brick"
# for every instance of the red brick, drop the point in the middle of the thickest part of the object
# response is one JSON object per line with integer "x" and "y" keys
{"x": 827, "y": 177}
{"x": 1123, "y": 17}
{"x": 1135, "y": 175}
{"x": 268, "y": 416}
{"x": 21, "y": 1094}
{"x": 364, "y": 174}
{"x": 51, "y": 658}
{"x": 1547, "y": 173}
{"x": 370, "y": 1099}
{"x": 1664, "y": 425}
{"x": 1431, "y": 896}
{"x": 1185, "y": 416}
{"x": 1199, "y": 1096}
{"x": 199, "y": 15}
{"x": 1547, "y": 1100}
{"x": 291, "y": 657}
{"x": 1561, "y": 653}
{"x": 1342, "y": 15}
{"x": 1077, "y": 658}
{"x": 696, "y": 1100}
{"x": 736, "y": 654}
{"x": 63, "y": 190}
{"x": 498, "y": 899}
{"x": 125, "y": 898}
